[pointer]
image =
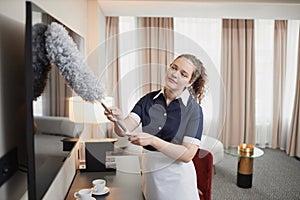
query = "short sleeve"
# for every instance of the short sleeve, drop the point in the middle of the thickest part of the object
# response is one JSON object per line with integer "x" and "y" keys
{"x": 195, "y": 125}
{"x": 135, "y": 117}
{"x": 191, "y": 140}
{"x": 138, "y": 108}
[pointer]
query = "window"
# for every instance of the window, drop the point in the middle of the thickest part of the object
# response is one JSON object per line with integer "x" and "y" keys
{"x": 264, "y": 55}
{"x": 203, "y": 37}
{"x": 129, "y": 68}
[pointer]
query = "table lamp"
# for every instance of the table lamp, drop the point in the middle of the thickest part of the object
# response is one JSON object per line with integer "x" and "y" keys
{"x": 81, "y": 111}
{"x": 92, "y": 148}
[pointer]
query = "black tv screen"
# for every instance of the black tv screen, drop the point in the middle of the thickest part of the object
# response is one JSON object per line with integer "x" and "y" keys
{"x": 42, "y": 168}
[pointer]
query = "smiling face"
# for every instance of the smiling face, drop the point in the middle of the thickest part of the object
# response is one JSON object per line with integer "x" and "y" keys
{"x": 179, "y": 75}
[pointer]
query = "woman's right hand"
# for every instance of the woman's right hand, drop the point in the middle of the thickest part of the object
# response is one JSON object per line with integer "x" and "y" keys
{"x": 114, "y": 114}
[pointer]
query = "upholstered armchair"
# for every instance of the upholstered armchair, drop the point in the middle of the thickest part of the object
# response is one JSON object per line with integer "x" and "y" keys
{"x": 203, "y": 161}
{"x": 214, "y": 146}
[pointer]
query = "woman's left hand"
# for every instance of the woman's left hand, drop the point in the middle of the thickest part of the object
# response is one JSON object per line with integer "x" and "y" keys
{"x": 183, "y": 152}
{"x": 141, "y": 139}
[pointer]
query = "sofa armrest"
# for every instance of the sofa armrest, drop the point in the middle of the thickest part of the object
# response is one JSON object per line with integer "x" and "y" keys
{"x": 214, "y": 146}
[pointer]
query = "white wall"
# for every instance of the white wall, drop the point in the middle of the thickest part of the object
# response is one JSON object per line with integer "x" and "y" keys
{"x": 96, "y": 37}
{"x": 71, "y": 12}
{"x": 12, "y": 121}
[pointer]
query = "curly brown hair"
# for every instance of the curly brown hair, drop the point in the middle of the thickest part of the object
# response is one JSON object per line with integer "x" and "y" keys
{"x": 199, "y": 77}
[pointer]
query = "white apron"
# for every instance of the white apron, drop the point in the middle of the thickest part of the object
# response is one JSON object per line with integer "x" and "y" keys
{"x": 167, "y": 179}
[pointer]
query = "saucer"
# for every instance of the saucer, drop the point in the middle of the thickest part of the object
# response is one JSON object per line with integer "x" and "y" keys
{"x": 105, "y": 191}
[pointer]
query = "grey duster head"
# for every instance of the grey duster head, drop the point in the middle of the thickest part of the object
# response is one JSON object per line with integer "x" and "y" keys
{"x": 63, "y": 52}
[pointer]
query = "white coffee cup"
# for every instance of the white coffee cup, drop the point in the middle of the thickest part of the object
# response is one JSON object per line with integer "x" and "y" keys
{"x": 83, "y": 194}
{"x": 99, "y": 185}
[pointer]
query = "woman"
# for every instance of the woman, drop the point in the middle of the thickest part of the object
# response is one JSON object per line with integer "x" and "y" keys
{"x": 172, "y": 123}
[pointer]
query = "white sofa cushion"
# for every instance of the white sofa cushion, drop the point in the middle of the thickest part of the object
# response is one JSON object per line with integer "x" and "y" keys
{"x": 60, "y": 126}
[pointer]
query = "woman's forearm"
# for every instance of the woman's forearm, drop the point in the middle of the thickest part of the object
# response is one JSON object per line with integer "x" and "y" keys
{"x": 184, "y": 152}
{"x": 118, "y": 130}
{"x": 129, "y": 123}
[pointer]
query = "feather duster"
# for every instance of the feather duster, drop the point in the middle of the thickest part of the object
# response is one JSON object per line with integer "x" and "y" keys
{"x": 63, "y": 52}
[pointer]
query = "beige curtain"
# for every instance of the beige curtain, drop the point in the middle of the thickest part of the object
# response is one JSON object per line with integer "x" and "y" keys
{"x": 237, "y": 70}
{"x": 112, "y": 59}
{"x": 280, "y": 45}
{"x": 157, "y": 50}
{"x": 293, "y": 142}
{"x": 56, "y": 94}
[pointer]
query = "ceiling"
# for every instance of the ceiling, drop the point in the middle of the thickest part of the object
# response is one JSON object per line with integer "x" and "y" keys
{"x": 279, "y": 9}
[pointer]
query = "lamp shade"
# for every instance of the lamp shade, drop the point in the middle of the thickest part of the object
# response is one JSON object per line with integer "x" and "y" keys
{"x": 85, "y": 112}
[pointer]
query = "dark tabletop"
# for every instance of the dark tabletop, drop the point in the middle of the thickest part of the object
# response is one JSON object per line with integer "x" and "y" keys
{"x": 122, "y": 185}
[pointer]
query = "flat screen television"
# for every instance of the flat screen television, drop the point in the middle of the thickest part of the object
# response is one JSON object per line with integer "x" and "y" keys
{"x": 42, "y": 173}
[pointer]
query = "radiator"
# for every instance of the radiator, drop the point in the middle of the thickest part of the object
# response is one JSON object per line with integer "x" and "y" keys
{"x": 263, "y": 135}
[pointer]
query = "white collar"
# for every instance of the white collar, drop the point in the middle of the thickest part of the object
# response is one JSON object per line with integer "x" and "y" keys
{"x": 184, "y": 96}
